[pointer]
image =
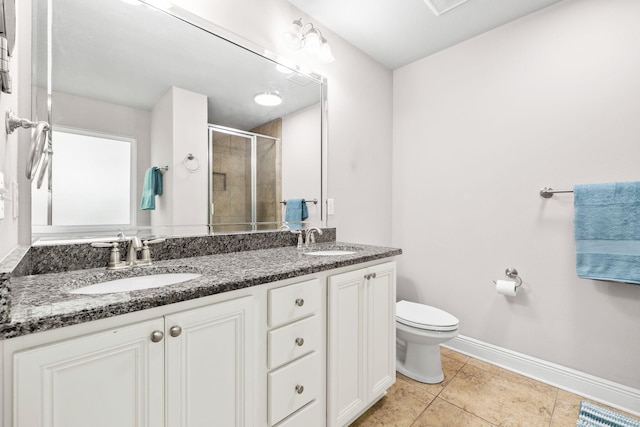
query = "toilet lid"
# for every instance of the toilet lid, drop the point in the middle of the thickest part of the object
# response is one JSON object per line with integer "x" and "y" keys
{"x": 425, "y": 317}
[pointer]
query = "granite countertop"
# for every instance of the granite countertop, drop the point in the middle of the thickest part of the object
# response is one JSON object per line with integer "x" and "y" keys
{"x": 42, "y": 302}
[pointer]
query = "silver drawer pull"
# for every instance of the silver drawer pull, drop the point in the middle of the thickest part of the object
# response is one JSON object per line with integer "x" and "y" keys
{"x": 299, "y": 342}
{"x": 156, "y": 336}
{"x": 175, "y": 331}
{"x": 299, "y": 302}
{"x": 299, "y": 389}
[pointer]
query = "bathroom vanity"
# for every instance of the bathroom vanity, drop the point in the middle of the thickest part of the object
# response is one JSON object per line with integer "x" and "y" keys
{"x": 271, "y": 337}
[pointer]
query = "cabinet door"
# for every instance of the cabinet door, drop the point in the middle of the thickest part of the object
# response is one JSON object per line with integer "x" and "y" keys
{"x": 381, "y": 329}
{"x": 346, "y": 346}
{"x": 209, "y": 365}
{"x": 112, "y": 378}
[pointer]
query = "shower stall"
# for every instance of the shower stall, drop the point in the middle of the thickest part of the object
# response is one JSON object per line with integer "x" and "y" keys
{"x": 245, "y": 178}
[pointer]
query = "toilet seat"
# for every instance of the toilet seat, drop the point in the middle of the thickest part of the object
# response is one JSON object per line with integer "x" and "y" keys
{"x": 425, "y": 317}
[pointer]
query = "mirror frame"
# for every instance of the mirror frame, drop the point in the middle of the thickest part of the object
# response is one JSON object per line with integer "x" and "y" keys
{"x": 66, "y": 235}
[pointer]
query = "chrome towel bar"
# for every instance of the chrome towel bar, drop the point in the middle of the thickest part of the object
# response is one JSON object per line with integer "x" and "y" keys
{"x": 314, "y": 201}
{"x": 548, "y": 192}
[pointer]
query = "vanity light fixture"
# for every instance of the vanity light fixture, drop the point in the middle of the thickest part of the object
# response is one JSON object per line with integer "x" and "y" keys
{"x": 268, "y": 99}
{"x": 309, "y": 39}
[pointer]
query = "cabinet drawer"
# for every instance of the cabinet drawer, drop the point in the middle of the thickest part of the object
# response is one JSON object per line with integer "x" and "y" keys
{"x": 293, "y": 302}
{"x": 294, "y": 340}
{"x": 309, "y": 416}
{"x": 285, "y": 394}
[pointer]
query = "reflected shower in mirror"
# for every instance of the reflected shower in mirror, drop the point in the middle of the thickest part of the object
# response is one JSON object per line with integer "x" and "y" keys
{"x": 168, "y": 85}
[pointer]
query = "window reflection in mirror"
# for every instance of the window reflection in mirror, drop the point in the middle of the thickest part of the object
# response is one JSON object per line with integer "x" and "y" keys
{"x": 91, "y": 174}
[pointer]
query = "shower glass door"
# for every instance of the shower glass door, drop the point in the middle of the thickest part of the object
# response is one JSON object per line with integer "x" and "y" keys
{"x": 244, "y": 182}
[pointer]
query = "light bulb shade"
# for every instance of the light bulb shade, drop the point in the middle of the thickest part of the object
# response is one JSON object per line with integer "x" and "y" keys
{"x": 312, "y": 41}
{"x": 293, "y": 36}
{"x": 324, "y": 55}
{"x": 268, "y": 99}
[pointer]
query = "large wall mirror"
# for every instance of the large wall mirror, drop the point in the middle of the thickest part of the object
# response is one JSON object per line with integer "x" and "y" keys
{"x": 129, "y": 88}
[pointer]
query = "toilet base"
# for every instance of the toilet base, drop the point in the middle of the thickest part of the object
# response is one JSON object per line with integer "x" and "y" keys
{"x": 422, "y": 363}
{"x": 423, "y": 379}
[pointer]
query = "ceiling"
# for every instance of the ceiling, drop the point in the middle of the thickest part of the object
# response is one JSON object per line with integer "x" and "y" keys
{"x": 152, "y": 51}
{"x": 398, "y": 32}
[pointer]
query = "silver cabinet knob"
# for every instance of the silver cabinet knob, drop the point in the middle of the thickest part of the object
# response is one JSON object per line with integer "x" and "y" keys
{"x": 299, "y": 389}
{"x": 156, "y": 336}
{"x": 373, "y": 275}
{"x": 299, "y": 302}
{"x": 175, "y": 331}
{"x": 299, "y": 342}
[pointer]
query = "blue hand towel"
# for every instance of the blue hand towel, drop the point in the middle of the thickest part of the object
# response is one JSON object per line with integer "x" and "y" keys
{"x": 151, "y": 187}
{"x": 607, "y": 231}
{"x": 295, "y": 213}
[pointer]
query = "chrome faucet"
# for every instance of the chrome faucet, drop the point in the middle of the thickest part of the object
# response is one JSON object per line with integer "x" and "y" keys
{"x": 135, "y": 245}
{"x": 310, "y": 237}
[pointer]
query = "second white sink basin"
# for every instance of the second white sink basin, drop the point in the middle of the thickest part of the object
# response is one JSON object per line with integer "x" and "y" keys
{"x": 135, "y": 283}
{"x": 330, "y": 253}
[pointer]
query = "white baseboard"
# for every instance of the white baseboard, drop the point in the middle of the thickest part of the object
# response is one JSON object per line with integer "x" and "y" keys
{"x": 598, "y": 389}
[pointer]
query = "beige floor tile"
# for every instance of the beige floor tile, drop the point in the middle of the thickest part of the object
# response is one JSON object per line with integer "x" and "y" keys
{"x": 399, "y": 408}
{"x": 444, "y": 414}
{"x": 450, "y": 366}
{"x": 495, "y": 396}
{"x": 511, "y": 376}
{"x": 567, "y": 408}
{"x": 454, "y": 354}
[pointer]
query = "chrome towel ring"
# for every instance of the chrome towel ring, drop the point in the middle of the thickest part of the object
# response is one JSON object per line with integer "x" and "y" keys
{"x": 40, "y": 151}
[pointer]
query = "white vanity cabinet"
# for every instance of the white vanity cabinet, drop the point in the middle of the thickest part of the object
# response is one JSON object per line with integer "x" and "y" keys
{"x": 112, "y": 378}
{"x": 361, "y": 340}
{"x": 192, "y": 367}
{"x": 312, "y": 351}
{"x": 294, "y": 346}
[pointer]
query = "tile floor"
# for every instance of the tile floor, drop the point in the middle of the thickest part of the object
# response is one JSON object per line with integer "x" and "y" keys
{"x": 473, "y": 393}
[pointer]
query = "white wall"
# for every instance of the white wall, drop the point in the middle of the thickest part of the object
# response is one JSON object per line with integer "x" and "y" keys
{"x": 360, "y": 111}
{"x": 179, "y": 128}
{"x": 301, "y": 160}
{"x": 9, "y": 145}
{"x": 550, "y": 100}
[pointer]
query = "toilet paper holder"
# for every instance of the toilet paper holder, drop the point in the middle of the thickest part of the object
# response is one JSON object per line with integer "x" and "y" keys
{"x": 512, "y": 273}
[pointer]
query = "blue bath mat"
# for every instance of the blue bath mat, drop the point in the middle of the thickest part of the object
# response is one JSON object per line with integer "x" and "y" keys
{"x": 594, "y": 416}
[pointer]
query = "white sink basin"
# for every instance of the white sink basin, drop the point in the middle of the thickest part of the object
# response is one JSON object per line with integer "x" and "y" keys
{"x": 330, "y": 253}
{"x": 135, "y": 283}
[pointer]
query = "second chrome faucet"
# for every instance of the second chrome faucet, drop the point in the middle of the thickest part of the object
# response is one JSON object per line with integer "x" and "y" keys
{"x": 307, "y": 237}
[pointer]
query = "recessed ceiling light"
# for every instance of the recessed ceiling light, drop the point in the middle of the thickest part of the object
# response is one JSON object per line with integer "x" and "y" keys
{"x": 268, "y": 99}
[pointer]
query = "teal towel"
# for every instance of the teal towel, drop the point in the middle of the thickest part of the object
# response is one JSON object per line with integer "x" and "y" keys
{"x": 607, "y": 231}
{"x": 151, "y": 188}
{"x": 295, "y": 213}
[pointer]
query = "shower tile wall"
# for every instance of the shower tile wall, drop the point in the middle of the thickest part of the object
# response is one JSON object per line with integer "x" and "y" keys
{"x": 230, "y": 183}
{"x": 232, "y": 180}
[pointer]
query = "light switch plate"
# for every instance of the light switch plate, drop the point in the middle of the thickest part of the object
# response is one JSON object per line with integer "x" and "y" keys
{"x": 330, "y": 207}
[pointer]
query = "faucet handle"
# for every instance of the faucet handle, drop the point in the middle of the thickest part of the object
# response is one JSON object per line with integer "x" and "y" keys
{"x": 300, "y": 238}
{"x": 145, "y": 256}
{"x": 115, "y": 262}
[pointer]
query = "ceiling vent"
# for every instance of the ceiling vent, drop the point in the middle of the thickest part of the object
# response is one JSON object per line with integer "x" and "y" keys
{"x": 443, "y": 6}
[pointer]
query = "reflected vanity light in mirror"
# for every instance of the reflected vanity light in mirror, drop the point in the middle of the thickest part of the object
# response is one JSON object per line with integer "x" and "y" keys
{"x": 268, "y": 99}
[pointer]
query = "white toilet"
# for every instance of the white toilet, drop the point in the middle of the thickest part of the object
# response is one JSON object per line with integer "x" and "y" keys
{"x": 420, "y": 329}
